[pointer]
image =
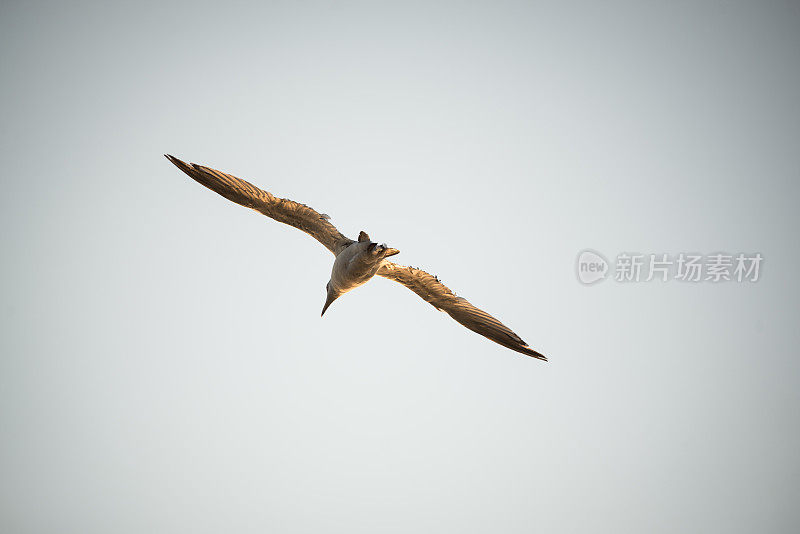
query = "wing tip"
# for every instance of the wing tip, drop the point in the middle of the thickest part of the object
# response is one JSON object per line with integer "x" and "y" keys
{"x": 537, "y": 355}
{"x": 525, "y": 349}
{"x": 172, "y": 159}
{"x": 187, "y": 168}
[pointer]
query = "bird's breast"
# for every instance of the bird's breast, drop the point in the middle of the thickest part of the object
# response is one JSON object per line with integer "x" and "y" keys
{"x": 352, "y": 268}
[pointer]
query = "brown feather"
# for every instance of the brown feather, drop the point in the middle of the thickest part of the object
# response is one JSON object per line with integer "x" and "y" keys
{"x": 282, "y": 210}
{"x": 442, "y": 298}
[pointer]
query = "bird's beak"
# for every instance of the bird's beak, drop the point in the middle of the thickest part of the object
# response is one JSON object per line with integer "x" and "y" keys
{"x": 390, "y": 252}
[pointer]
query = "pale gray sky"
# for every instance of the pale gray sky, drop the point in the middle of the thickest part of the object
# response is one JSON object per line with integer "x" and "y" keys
{"x": 164, "y": 366}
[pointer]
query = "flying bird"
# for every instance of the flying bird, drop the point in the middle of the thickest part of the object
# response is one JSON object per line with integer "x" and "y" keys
{"x": 357, "y": 261}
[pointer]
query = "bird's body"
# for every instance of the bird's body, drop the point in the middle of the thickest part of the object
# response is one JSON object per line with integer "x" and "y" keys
{"x": 357, "y": 264}
{"x": 357, "y": 261}
{"x": 354, "y": 266}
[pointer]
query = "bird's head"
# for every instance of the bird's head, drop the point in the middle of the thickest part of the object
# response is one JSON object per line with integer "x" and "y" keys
{"x": 377, "y": 252}
{"x": 381, "y": 251}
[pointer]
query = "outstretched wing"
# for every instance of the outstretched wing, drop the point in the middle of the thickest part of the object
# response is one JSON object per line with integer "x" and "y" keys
{"x": 440, "y": 297}
{"x": 281, "y": 209}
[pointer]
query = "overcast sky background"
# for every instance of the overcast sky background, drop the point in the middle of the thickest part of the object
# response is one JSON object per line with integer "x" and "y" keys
{"x": 164, "y": 366}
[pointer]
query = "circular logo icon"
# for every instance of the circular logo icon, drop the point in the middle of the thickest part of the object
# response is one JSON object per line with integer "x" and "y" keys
{"x": 591, "y": 267}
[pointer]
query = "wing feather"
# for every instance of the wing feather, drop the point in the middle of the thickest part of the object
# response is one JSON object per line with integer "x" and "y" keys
{"x": 282, "y": 210}
{"x": 442, "y": 298}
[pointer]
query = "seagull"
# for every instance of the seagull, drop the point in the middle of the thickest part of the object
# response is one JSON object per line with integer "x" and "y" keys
{"x": 357, "y": 261}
